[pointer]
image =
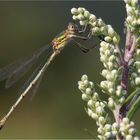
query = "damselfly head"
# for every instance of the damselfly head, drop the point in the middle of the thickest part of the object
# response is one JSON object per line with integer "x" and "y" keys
{"x": 72, "y": 27}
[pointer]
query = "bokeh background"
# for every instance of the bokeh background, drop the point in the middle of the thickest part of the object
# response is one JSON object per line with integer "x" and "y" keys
{"x": 57, "y": 110}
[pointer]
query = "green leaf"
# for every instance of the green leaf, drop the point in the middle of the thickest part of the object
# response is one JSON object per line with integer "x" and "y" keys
{"x": 133, "y": 108}
{"x": 137, "y": 91}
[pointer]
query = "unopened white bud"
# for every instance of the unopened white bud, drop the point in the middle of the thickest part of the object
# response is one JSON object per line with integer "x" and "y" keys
{"x": 125, "y": 120}
{"x": 134, "y": 2}
{"x": 129, "y": 19}
{"x": 101, "y": 120}
{"x": 137, "y": 80}
{"x": 84, "y": 77}
{"x": 108, "y": 127}
{"x": 136, "y": 138}
{"x": 88, "y": 91}
{"x": 86, "y": 83}
{"x": 94, "y": 116}
{"x": 83, "y": 22}
{"x": 86, "y": 14}
{"x": 81, "y": 10}
{"x": 90, "y": 103}
{"x": 129, "y": 137}
{"x": 108, "y": 39}
{"x": 115, "y": 40}
{"x": 74, "y": 11}
{"x": 99, "y": 110}
{"x": 85, "y": 97}
{"x": 132, "y": 131}
{"x": 122, "y": 100}
{"x": 74, "y": 17}
{"x": 92, "y": 17}
{"x": 108, "y": 134}
{"x": 80, "y": 17}
{"x": 111, "y": 31}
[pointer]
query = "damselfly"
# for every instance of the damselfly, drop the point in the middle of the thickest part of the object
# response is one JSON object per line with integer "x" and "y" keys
{"x": 13, "y": 72}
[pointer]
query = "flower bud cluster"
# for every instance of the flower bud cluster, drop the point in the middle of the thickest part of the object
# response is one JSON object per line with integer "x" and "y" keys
{"x": 133, "y": 15}
{"x": 95, "y": 107}
{"x": 127, "y": 130}
{"x": 97, "y": 25}
{"x": 112, "y": 73}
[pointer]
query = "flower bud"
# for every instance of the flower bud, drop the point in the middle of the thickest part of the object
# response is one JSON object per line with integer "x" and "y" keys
{"x": 84, "y": 77}
{"x": 74, "y": 11}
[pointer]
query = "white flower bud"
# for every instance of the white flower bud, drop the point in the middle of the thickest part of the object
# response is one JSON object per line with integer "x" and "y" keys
{"x": 134, "y": 75}
{"x": 125, "y": 120}
{"x": 85, "y": 83}
{"x": 114, "y": 133}
{"x": 129, "y": 137}
{"x": 122, "y": 100}
{"x": 81, "y": 10}
{"x": 85, "y": 97}
{"x": 81, "y": 87}
{"x": 134, "y": 22}
{"x": 89, "y": 111}
{"x": 90, "y": 103}
{"x": 115, "y": 126}
{"x": 138, "y": 52}
{"x": 91, "y": 84}
{"x": 108, "y": 134}
{"x": 111, "y": 31}
{"x": 129, "y": 19}
{"x": 137, "y": 80}
{"x": 132, "y": 131}
{"x": 93, "y": 24}
{"x": 104, "y": 72}
{"x": 118, "y": 93}
{"x": 83, "y": 22}
{"x": 112, "y": 58}
{"x": 74, "y": 17}
{"x": 115, "y": 40}
{"x": 95, "y": 29}
{"x": 111, "y": 104}
{"x": 107, "y": 53}
{"x": 108, "y": 127}
{"x": 99, "y": 110}
{"x": 80, "y": 17}
{"x": 74, "y": 11}
{"x": 136, "y": 138}
{"x": 100, "y": 22}
{"x": 138, "y": 21}
{"x": 109, "y": 77}
{"x": 103, "y": 58}
{"x": 111, "y": 90}
{"x": 134, "y": 2}
{"x": 100, "y": 130}
{"x": 129, "y": 10}
{"x": 108, "y": 39}
{"x": 101, "y": 120}
{"x": 84, "y": 77}
{"x": 103, "y": 84}
{"x": 88, "y": 91}
{"x": 132, "y": 124}
{"x": 86, "y": 14}
{"x": 110, "y": 65}
{"x": 94, "y": 116}
{"x": 97, "y": 104}
{"x": 92, "y": 17}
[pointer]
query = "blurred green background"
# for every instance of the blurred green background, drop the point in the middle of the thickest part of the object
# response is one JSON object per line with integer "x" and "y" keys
{"x": 57, "y": 110}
